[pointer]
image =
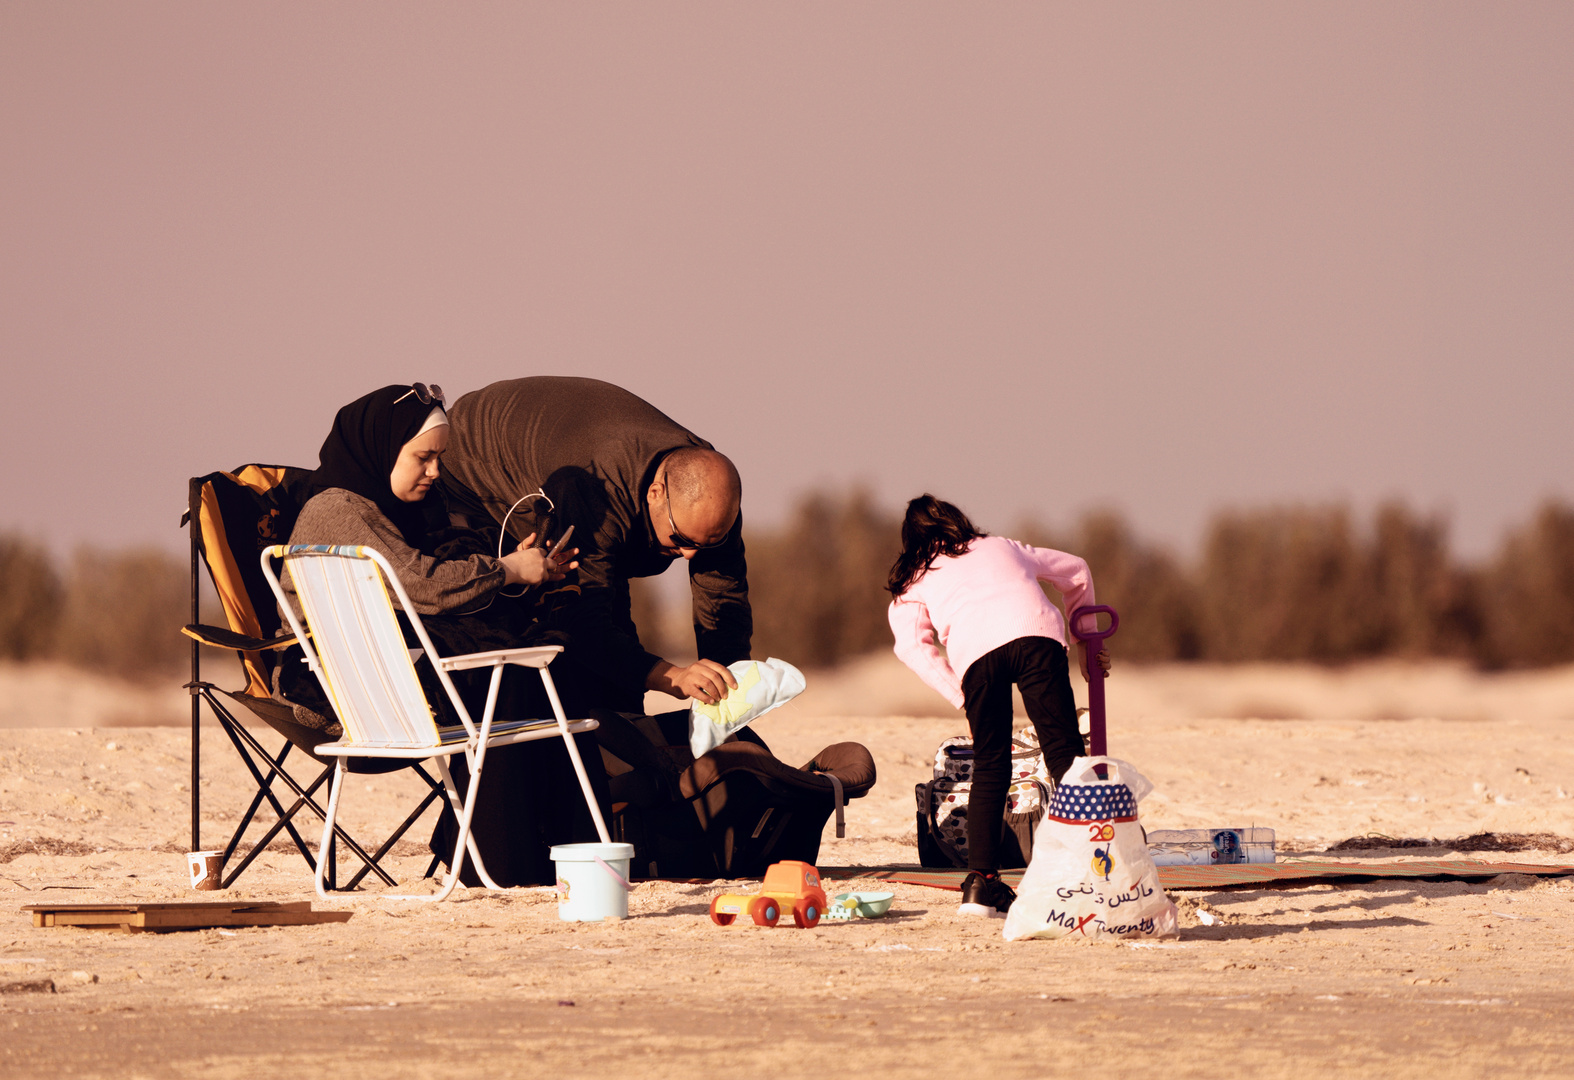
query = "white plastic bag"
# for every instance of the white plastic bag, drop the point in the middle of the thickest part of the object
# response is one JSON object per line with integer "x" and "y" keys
{"x": 1091, "y": 873}
{"x": 763, "y": 685}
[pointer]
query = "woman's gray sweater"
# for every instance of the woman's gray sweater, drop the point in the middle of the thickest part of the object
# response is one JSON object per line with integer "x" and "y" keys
{"x": 336, "y": 516}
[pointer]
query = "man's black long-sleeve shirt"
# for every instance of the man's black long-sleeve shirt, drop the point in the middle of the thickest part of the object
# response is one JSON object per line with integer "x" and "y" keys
{"x": 593, "y": 449}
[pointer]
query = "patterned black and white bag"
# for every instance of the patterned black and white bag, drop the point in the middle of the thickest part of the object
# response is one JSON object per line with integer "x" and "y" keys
{"x": 942, "y": 803}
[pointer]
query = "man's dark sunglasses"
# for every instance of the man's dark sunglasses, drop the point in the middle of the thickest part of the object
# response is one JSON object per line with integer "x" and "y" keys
{"x": 683, "y": 543}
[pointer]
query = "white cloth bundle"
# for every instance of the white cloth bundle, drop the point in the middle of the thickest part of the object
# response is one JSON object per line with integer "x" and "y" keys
{"x": 763, "y": 685}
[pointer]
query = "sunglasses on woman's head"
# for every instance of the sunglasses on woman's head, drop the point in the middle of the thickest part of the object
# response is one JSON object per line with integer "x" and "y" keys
{"x": 426, "y": 395}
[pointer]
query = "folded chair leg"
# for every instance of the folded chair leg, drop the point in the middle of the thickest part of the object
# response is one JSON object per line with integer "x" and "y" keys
{"x": 242, "y": 739}
{"x": 304, "y": 798}
{"x": 462, "y": 843}
{"x": 323, "y": 849}
{"x": 256, "y": 801}
{"x": 377, "y": 856}
{"x": 473, "y": 757}
{"x": 246, "y": 745}
{"x": 246, "y": 819}
{"x": 286, "y": 821}
{"x": 434, "y": 789}
{"x": 573, "y": 753}
{"x": 256, "y": 804}
{"x": 360, "y": 852}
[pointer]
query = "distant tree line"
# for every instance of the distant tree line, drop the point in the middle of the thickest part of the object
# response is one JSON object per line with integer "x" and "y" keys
{"x": 116, "y": 612}
{"x": 1281, "y": 583}
{"x": 1284, "y": 584}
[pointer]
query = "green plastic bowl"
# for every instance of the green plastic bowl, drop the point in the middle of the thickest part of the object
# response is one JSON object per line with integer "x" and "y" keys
{"x": 871, "y": 905}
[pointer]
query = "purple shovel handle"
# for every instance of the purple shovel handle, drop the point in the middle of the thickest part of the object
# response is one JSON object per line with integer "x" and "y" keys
{"x": 1094, "y": 640}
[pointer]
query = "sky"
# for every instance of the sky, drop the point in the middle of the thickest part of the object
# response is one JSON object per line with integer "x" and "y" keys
{"x": 1036, "y": 258}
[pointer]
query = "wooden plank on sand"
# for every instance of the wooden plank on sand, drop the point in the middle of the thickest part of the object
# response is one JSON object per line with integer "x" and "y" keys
{"x": 196, "y": 915}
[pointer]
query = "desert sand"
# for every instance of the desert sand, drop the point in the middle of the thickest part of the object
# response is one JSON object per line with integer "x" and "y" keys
{"x": 1396, "y": 979}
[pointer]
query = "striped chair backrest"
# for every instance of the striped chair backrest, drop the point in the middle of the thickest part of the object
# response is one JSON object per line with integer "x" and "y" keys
{"x": 371, "y": 679}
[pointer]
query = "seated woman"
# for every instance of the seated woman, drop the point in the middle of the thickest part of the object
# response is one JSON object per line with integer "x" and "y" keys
{"x": 372, "y": 486}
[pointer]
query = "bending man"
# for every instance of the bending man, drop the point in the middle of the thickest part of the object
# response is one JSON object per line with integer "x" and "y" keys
{"x": 540, "y": 454}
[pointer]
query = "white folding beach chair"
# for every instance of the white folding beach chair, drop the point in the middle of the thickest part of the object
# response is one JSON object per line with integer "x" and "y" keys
{"x": 357, "y": 652}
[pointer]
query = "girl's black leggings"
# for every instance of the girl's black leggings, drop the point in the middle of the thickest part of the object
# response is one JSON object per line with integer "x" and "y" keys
{"x": 1037, "y": 665}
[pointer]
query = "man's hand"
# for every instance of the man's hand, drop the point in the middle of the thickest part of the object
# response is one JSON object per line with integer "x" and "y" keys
{"x": 1082, "y": 657}
{"x": 528, "y": 565}
{"x": 705, "y": 681}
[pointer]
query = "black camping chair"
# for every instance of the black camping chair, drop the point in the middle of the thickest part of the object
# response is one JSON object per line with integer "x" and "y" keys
{"x": 232, "y": 517}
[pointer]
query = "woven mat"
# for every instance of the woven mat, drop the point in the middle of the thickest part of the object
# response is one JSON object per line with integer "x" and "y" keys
{"x": 1240, "y": 875}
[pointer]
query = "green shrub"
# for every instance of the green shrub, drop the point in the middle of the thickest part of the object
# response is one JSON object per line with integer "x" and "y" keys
{"x": 1144, "y": 584}
{"x": 1527, "y": 594}
{"x": 817, "y": 587}
{"x": 123, "y": 613}
{"x": 30, "y": 596}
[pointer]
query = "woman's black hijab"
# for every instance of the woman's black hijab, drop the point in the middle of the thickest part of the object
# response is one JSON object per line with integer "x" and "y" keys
{"x": 360, "y": 452}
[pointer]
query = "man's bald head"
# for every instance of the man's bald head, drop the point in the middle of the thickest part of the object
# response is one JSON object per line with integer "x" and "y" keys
{"x": 703, "y": 493}
{"x": 697, "y": 475}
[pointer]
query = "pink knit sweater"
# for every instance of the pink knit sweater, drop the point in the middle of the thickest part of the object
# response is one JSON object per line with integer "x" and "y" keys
{"x": 980, "y": 600}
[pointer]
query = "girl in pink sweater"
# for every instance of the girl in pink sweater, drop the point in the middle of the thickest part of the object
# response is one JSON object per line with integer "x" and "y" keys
{"x": 980, "y": 596}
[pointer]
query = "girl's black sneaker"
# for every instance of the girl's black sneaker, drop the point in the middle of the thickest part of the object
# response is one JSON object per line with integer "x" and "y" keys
{"x": 987, "y": 896}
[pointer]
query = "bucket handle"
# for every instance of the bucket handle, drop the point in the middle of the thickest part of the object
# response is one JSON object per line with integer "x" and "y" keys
{"x": 617, "y": 877}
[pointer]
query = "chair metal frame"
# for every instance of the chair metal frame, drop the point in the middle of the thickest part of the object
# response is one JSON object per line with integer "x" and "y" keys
{"x": 358, "y": 653}
{"x": 264, "y": 765}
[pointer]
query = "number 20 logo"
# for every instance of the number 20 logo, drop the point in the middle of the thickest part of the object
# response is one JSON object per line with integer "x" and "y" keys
{"x": 1101, "y": 830}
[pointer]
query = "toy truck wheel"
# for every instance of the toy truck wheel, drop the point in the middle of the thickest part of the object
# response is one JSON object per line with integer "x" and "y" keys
{"x": 765, "y": 911}
{"x": 806, "y": 913}
{"x": 720, "y": 918}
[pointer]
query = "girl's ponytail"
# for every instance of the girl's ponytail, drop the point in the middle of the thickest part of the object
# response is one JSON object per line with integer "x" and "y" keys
{"x": 932, "y": 528}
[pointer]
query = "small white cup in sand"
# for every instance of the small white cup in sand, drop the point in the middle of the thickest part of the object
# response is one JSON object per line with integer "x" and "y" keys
{"x": 207, "y": 869}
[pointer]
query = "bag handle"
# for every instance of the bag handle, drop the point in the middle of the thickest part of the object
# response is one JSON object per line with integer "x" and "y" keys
{"x": 1082, "y": 771}
{"x": 841, "y": 802}
{"x": 1023, "y": 749}
{"x": 1028, "y": 749}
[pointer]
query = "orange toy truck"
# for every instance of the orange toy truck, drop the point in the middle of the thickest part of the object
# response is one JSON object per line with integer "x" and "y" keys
{"x": 788, "y": 886}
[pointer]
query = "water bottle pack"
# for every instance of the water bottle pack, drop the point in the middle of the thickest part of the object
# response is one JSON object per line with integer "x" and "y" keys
{"x": 1211, "y": 847}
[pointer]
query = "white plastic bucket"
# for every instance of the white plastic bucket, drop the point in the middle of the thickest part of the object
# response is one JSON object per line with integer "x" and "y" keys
{"x": 592, "y": 881}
